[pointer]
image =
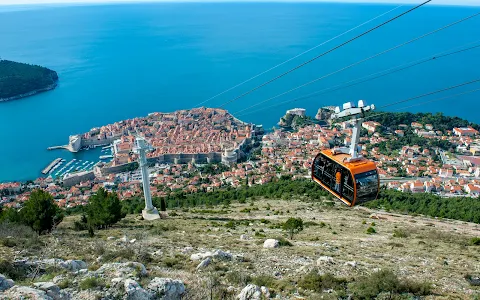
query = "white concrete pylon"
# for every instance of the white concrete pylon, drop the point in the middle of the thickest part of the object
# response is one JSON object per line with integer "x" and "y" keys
{"x": 150, "y": 212}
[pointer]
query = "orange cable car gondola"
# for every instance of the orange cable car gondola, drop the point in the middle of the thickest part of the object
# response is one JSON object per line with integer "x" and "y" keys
{"x": 344, "y": 173}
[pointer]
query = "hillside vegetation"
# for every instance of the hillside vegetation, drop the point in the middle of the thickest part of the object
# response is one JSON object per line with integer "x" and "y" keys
{"x": 218, "y": 251}
{"x": 18, "y": 79}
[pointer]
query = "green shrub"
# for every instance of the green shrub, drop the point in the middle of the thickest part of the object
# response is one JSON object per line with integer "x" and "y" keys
{"x": 423, "y": 288}
{"x": 385, "y": 281}
{"x": 230, "y": 224}
{"x": 293, "y": 226}
{"x": 91, "y": 283}
{"x": 475, "y": 241}
{"x": 263, "y": 280}
{"x": 316, "y": 282}
{"x": 369, "y": 287}
{"x": 8, "y": 242}
{"x": 371, "y": 230}
{"x": 283, "y": 242}
{"x": 64, "y": 284}
{"x": 173, "y": 262}
{"x": 238, "y": 278}
{"x": 310, "y": 223}
{"x": 8, "y": 269}
{"x": 400, "y": 233}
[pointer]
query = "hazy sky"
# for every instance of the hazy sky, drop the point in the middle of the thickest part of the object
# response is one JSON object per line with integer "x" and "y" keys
{"x": 439, "y": 2}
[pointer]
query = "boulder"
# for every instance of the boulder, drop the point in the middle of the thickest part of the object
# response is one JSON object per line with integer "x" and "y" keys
{"x": 324, "y": 259}
{"x": 271, "y": 243}
{"x": 200, "y": 256}
{"x": 166, "y": 288}
{"x": 238, "y": 258}
{"x": 352, "y": 264}
{"x": 187, "y": 250}
{"x": 51, "y": 289}
{"x": 5, "y": 283}
{"x": 265, "y": 292}
{"x": 73, "y": 265}
{"x": 122, "y": 270}
{"x": 250, "y": 292}
{"x": 24, "y": 292}
{"x": 222, "y": 255}
{"x": 204, "y": 263}
{"x": 124, "y": 239}
{"x": 134, "y": 291}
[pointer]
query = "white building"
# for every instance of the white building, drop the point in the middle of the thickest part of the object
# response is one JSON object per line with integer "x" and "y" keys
{"x": 297, "y": 111}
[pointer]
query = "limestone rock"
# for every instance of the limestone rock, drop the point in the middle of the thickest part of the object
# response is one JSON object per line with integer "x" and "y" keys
{"x": 5, "y": 283}
{"x": 200, "y": 256}
{"x": 244, "y": 237}
{"x": 204, "y": 263}
{"x": 134, "y": 291}
{"x": 73, "y": 265}
{"x": 250, "y": 292}
{"x": 51, "y": 289}
{"x": 187, "y": 250}
{"x": 222, "y": 255}
{"x": 122, "y": 270}
{"x": 265, "y": 292}
{"x": 352, "y": 264}
{"x": 124, "y": 239}
{"x": 324, "y": 259}
{"x": 166, "y": 288}
{"x": 271, "y": 243}
{"x": 24, "y": 292}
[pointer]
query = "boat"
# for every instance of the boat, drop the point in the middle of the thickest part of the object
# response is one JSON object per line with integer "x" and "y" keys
{"x": 106, "y": 156}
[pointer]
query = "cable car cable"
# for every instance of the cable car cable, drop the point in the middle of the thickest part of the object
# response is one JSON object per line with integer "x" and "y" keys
{"x": 323, "y": 54}
{"x": 296, "y": 56}
{"x": 359, "y": 62}
{"x": 431, "y": 93}
{"x": 369, "y": 77}
{"x": 422, "y": 103}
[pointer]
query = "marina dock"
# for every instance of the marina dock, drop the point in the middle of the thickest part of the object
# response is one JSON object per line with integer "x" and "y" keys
{"x": 51, "y": 166}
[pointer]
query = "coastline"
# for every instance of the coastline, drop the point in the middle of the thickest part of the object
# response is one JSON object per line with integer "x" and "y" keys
{"x": 32, "y": 93}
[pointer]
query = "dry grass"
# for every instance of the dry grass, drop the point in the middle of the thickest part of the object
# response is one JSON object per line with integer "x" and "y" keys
{"x": 424, "y": 250}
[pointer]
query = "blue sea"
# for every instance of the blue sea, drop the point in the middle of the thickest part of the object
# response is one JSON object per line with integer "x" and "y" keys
{"x": 122, "y": 61}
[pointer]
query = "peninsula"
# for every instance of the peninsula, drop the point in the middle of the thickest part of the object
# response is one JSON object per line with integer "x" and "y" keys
{"x": 19, "y": 80}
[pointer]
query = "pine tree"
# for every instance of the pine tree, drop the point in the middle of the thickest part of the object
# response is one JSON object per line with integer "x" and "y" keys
{"x": 104, "y": 209}
{"x": 40, "y": 212}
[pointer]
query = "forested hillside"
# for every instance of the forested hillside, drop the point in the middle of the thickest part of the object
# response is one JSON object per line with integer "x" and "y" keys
{"x": 438, "y": 120}
{"x": 18, "y": 79}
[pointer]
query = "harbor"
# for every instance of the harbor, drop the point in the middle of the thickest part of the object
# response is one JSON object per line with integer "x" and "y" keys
{"x": 52, "y": 165}
{"x": 78, "y": 162}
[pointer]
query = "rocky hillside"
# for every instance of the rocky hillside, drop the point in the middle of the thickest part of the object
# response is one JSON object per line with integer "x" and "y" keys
{"x": 242, "y": 251}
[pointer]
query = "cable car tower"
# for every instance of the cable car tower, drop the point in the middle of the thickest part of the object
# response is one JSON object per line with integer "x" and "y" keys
{"x": 141, "y": 147}
{"x": 355, "y": 113}
{"x": 342, "y": 171}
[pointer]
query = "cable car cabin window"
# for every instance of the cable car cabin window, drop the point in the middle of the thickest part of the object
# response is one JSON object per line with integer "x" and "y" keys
{"x": 367, "y": 186}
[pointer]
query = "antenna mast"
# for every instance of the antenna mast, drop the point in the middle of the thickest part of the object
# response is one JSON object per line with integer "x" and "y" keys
{"x": 354, "y": 113}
